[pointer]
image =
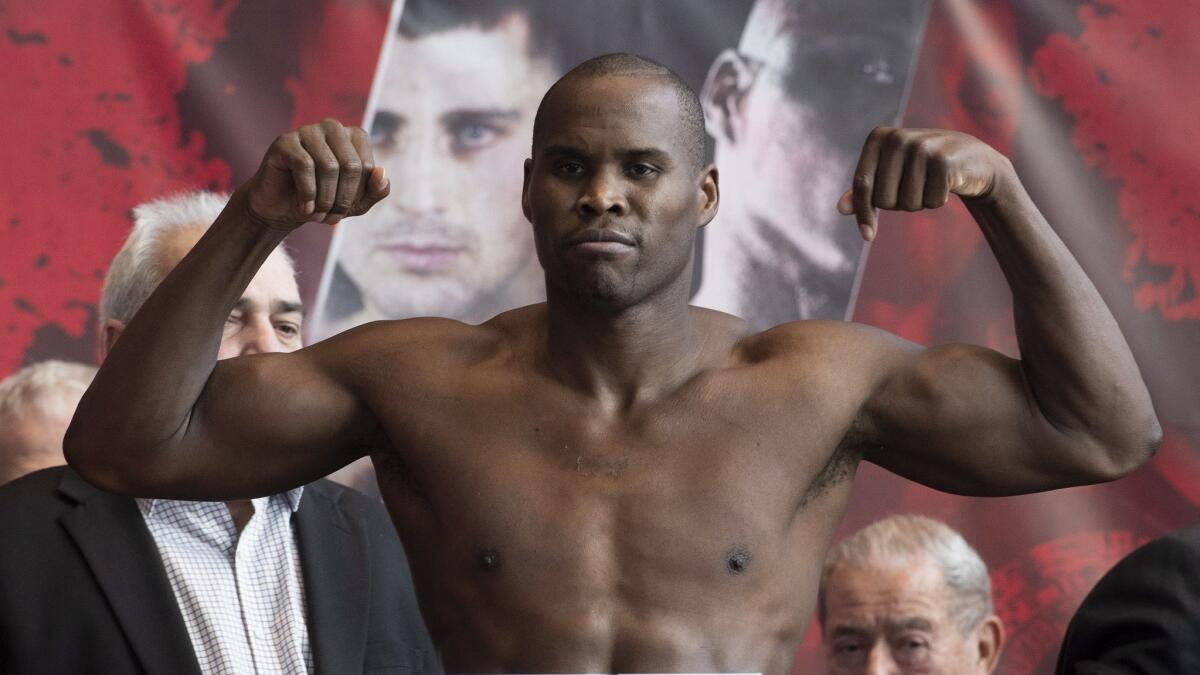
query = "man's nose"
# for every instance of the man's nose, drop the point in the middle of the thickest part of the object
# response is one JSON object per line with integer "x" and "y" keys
{"x": 880, "y": 662}
{"x": 417, "y": 175}
{"x": 602, "y": 194}
{"x": 259, "y": 337}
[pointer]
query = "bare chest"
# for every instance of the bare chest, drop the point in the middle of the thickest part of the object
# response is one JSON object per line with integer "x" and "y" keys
{"x": 694, "y": 510}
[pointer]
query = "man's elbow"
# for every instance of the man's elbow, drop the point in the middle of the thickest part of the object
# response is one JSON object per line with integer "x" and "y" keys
{"x": 1125, "y": 453}
{"x": 95, "y": 462}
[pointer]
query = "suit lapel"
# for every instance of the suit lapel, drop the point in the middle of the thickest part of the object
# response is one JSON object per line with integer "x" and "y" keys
{"x": 334, "y": 559}
{"x": 119, "y": 549}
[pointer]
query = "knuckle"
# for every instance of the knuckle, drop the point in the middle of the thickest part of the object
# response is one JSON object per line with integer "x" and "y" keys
{"x": 894, "y": 141}
{"x": 329, "y": 166}
{"x": 352, "y": 166}
{"x": 863, "y": 181}
{"x": 927, "y": 144}
{"x": 331, "y": 123}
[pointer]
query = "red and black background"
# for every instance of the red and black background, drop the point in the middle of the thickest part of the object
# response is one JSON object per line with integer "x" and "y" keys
{"x": 107, "y": 104}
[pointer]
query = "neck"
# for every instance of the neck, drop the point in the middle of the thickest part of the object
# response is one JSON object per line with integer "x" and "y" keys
{"x": 625, "y": 356}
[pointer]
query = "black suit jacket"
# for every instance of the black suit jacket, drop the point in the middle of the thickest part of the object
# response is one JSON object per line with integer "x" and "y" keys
{"x": 83, "y": 589}
{"x": 1143, "y": 616}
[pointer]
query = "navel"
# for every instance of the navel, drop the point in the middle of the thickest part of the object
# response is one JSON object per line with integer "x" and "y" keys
{"x": 737, "y": 560}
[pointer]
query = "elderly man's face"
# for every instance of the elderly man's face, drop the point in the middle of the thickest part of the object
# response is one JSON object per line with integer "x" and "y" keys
{"x": 267, "y": 318}
{"x": 898, "y": 620}
{"x": 453, "y": 124}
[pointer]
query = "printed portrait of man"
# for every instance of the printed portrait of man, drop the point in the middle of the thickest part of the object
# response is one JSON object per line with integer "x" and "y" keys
{"x": 789, "y": 109}
{"x": 451, "y": 126}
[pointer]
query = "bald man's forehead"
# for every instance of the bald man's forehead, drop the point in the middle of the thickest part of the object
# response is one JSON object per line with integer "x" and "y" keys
{"x": 643, "y": 106}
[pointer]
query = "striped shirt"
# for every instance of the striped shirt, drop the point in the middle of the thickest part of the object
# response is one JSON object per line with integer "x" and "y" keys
{"x": 242, "y": 597}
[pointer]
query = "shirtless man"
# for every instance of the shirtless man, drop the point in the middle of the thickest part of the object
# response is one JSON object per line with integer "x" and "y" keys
{"x": 613, "y": 480}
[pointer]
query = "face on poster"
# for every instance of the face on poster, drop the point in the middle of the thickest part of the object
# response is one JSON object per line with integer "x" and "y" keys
{"x": 789, "y": 109}
{"x": 453, "y": 113}
{"x": 789, "y": 94}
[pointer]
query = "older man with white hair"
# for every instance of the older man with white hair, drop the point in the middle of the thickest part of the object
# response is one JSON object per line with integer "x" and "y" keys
{"x": 313, "y": 579}
{"x": 36, "y": 405}
{"x": 907, "y": 594}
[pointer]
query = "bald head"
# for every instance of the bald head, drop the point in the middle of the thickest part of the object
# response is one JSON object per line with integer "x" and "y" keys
{"x": 691, "y": 115}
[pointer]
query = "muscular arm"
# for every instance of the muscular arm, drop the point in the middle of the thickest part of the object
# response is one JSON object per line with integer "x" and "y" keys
{"x": 1072, "y": 410}
{"x": 164, "y": 418}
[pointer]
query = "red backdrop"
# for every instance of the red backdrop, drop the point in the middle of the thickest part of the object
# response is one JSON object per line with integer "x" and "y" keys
{"x": 109, "y": 104}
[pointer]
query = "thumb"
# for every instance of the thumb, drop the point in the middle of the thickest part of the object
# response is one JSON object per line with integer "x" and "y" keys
{"x": 845, "y": 204}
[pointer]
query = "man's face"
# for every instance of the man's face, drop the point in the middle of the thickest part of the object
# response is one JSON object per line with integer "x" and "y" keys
{"x": 267, "y": 318}
{"x": 610, "y": 191}
{"x": 452, "y": 124}
{"x": 783, "y": 180}
{"x": 897, "y": 620}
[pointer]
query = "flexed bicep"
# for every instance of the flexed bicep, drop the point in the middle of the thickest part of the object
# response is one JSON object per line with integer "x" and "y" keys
{"x": 268, "y": 422}
{"x": 962, "y": 419}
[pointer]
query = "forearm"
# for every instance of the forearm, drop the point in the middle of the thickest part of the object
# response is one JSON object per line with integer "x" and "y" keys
{"x": 143, "y": 396}
{"x": 1076, "y": 363}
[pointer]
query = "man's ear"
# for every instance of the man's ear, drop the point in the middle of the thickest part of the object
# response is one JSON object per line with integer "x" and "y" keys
{"x": 112, "y": 331}
{"x": 989, "y": 638}
{"x": 525, "y": 190}
{"x": 710, "y": 193}
{"x": 724, "y": 94}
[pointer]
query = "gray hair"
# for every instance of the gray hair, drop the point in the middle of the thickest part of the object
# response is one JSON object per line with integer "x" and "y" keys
{"x": 900, "y": 539}
{"x": 138, "y": 267}
{"x": 48, "y": 388}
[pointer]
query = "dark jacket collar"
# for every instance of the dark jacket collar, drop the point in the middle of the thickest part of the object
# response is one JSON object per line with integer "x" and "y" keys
{"x": 334, "y": 559}
{"x": 118, "y": 547}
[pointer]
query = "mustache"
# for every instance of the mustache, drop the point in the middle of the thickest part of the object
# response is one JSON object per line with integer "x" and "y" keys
{"x": 421, "y": 230}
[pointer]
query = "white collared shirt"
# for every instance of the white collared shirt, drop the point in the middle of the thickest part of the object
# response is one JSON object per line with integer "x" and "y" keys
{"x": 242, "y": 597}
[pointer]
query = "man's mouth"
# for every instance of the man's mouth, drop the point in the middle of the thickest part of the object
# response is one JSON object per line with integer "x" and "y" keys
{"x": 601, "y": 240}
{"x": 424, "y": 258}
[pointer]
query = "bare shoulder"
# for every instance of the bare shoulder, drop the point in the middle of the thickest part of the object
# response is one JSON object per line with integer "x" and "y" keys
{"x": 838, "y": 343}
{"x": 409, "y": 348}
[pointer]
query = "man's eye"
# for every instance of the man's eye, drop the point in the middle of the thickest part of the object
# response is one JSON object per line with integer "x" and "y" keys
{"x": 912, "y": 650}
{"x": 642, "y": 171}
{"x": 914, "y": 641}
{"x": 474, "y": 136}
{"x": 384, "y": 128}
{"x": 848, "y": 646}
{"x": 570, "y": 169}
{"x": 850, "y": 654}
{"x": 288, "y": 329}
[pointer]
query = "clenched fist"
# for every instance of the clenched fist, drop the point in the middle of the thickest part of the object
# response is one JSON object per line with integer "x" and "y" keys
{"x": 914, "y": 169}
{"x": 320, "y": 172}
